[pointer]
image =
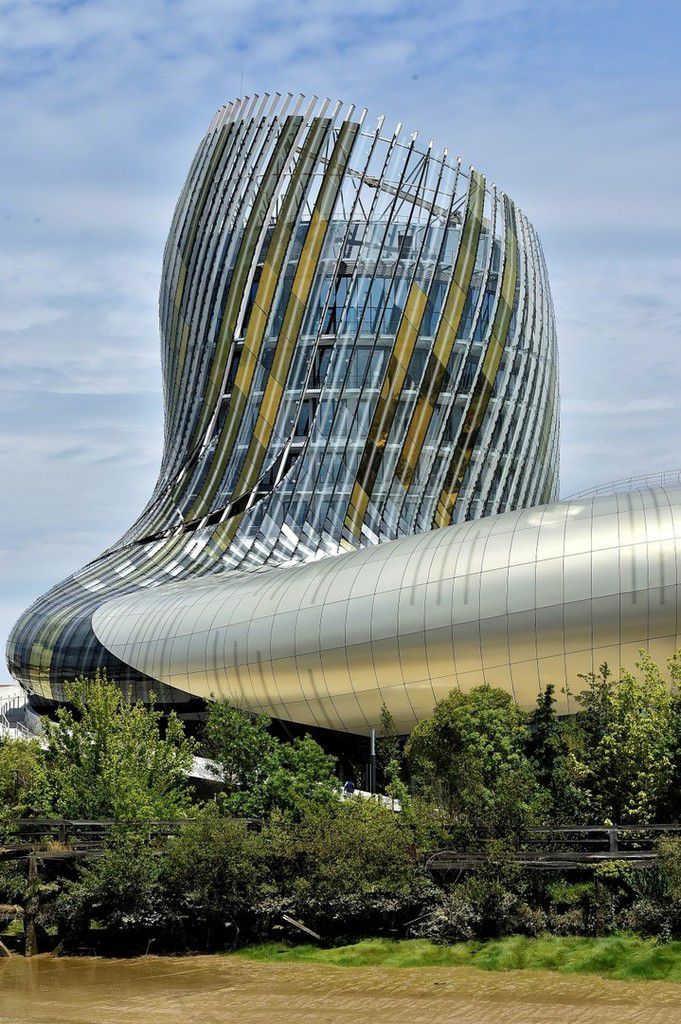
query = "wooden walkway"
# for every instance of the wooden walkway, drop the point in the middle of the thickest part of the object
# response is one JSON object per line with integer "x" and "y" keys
{"x": 61, "y": 839}
{"x": 579, "y": 847}
{"x": 566, "y": 848}
{"x": 37, "y": 841}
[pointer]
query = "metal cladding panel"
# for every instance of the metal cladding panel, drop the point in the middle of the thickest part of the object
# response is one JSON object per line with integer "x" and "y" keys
{"x": 357, "y": 347}
{"x": 360, "y": 650}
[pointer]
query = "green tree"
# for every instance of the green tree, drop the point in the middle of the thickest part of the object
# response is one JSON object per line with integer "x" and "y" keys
{"x": 669, "y": 809}
{"x": 22, "y": 775}
{"x": 627, "y": 742}
{"x": 389, "y": 757}
{"x": 554, "y": 764}
{"x": 245, "y": 752}
{"x": 469, "y": 756}
{"x": 260, "y": 773}
{"x": 303, "y": 774}
{"x": 388, "y": 749}
{"x": 109, "y": 758}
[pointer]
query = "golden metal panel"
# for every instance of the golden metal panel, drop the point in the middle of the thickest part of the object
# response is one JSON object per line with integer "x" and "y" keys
{"x": 384, "y": 414}
{"x": 302, "y": 284}
{"x": 262, "y": 306}
{"x": 473, "y": 643}
{"x": 278, "y": 161}
{"x": 436, "y": 367}
{"x": 482, "y": 391}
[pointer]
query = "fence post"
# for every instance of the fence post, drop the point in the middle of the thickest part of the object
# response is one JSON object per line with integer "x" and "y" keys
{"x": 31, "y": 908}
{"x": 612, "y": 838}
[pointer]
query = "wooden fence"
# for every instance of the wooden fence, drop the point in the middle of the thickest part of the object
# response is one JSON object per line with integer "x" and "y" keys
{"x": 63, "y": 839}
{"x": 566, "y": 848}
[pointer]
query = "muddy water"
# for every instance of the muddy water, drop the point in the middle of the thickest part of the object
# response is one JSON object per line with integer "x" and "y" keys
{"x": 208, "y": 990}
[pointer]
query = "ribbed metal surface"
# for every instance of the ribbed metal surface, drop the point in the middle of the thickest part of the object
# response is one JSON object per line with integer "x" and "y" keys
{"x": 516, "y": 600}
{"x": 357, "y": 346}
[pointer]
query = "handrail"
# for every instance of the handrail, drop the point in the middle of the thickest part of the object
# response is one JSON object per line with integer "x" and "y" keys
{"x": 13, "y": 730}
{"x": 665, "y": 477}
{"x": 38, "y": 831}
{"x": 566, "y": 846}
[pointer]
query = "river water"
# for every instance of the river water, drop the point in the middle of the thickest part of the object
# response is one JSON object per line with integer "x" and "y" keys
{"x": 212, "y": 989}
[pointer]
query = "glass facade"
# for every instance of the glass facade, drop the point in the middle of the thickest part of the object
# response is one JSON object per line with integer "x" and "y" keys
{"x": 358, "y": 345}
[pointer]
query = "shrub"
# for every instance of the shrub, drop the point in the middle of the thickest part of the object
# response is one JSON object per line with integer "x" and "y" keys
{"x": 650, "y": 918}
{"x": 349, "y": 866}
{"x": 215, "y": 876}
{"x": 120, "y": 893}
{"x": 452, "y": 918}
{"x": 567, "y": 922}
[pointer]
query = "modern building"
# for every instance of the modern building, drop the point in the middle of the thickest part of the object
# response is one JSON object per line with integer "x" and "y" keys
{"x": 361, "y": 439}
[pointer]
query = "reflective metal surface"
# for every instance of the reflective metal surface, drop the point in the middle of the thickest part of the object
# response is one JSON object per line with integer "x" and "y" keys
{"x": 516, "y": 600}
{"x": 357, "y": 346}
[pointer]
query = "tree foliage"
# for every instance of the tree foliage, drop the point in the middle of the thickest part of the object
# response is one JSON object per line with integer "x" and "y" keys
{"x": 258, "y": 772}
{"x": 388, "y": 750}
{"x": 480, "y": 771}
{"x": 557, "y": 771}
{"x": 243, "y": 749}
{"x": 22, "y": 778}
{"x": 626, "y": 726}
{"x": 109, "y": 758}
{"x": 470, "y": 757}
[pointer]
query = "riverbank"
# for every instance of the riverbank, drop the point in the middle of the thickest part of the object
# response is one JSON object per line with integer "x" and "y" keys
{"x": 225, "y": 989}
{"x": 624, "y": 958}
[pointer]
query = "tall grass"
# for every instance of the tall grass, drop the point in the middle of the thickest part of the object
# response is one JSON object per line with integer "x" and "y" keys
{"x": 622, "y": 957}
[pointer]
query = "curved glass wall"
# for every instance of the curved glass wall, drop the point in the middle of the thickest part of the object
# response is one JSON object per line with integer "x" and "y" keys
{"x": 357, "y": 345}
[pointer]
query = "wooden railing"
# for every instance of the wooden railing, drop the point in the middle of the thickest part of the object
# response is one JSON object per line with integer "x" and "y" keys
{"x": 61, "y": 838}
{"x": 569, "y": 846}
{"x": 565, "y": 847}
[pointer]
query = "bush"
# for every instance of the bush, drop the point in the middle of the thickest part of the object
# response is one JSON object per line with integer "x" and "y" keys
{"x": 201, "y": 890}
{"x": 650, "y": 918}
{"x": 349, "y": 867}
{"x": 528, "y": 920}
{"x": 120, "y": 894}
{"x": 453, "y": 918}
{"x": 567, "y": 922}
{"x": 215, "y": 879}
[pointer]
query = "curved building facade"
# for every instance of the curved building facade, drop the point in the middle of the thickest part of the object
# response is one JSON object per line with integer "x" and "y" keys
{"x": 517, "y": 600}
{"x": 358, "y": 348}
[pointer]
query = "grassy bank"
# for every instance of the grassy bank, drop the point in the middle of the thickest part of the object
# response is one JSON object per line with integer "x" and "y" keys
{"x": 621, "y": 957}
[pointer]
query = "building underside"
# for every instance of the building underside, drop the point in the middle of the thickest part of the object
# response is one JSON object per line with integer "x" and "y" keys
{"x": 356, "y": 500}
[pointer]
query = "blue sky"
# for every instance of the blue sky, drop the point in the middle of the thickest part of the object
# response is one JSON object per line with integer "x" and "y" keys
{"x": 571, "y": 107}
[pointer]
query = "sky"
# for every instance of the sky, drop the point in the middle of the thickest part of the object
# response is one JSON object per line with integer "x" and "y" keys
{"x": 571, "y": 107}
